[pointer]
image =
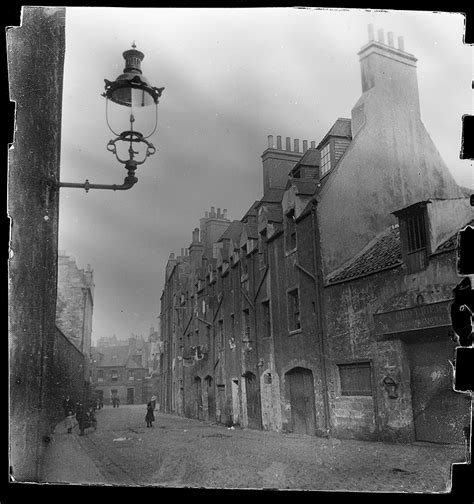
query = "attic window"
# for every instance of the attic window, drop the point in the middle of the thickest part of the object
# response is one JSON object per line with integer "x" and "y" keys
{"x": 325, "y": 159}
{"x": 413, "y": 235}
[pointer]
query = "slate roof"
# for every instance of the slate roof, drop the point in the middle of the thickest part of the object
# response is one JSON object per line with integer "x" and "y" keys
{"x": 341, "y": 128}
{"x": 383, "y": 252}
{"x": 273, "y": 195}
{"x": 232, "y": 232}
{"x": 312, "y": 157}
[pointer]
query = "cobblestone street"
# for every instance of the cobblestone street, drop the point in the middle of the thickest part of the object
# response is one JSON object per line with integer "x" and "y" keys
{"x": 182, "y": 452}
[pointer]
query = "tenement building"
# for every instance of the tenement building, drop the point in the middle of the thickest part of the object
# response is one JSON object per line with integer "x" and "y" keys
{"x": 324, "y": 309}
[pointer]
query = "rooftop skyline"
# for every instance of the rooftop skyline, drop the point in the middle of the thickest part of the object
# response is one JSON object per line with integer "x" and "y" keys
{"x": 232, "y": 77}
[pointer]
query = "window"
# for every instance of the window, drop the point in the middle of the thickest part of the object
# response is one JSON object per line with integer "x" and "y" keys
{"x": 114, "y": 375}
{"x": 232, "y": 326}
{"x": 294, "y": 310}
{"x": 266, "y": 324}
{"x": 413, "y": 236}
{"x": 325, "y": 159}
{"x": 100, "y": 375}
{"x": 355, "y": 379}
{"x": 220, "y": 329}
{"x": 130, "y": 374}
{"x": 416, "y": 234}
{"x": 246, "y": 323}
{"x": 290, "y": 235}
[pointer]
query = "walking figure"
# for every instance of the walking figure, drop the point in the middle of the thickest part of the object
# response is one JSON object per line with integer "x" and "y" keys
{"x": 70, "y": 422}
{"x": 153, "y": 401}
{"x": 150, "y": 417}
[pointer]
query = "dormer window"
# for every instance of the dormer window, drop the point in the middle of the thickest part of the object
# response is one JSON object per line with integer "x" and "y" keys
{"x": 325, "y": 165}
{"x": 414, "y": 236}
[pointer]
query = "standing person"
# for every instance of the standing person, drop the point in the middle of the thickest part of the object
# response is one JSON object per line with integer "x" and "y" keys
{"x": 68, "y": 405}
{"x": 153, "y": 401}
{"x": 150, "y": 417}
{"x": 69, "y": 422}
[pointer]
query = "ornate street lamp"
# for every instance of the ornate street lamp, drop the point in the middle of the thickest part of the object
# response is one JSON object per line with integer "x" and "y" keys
{"x": 131, "y": 92}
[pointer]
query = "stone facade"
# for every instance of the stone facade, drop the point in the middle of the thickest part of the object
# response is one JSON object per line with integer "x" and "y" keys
{"x": 35, "y": 69}
{"x": 285, "y": 322}
{"x": 122, "y": 371}
{"x": 75, "y": 302}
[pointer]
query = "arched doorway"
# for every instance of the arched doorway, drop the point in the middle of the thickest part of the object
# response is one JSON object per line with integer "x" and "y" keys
{"x": 198, "y": 398}
{"x": 253, "y": 404}
{"x": 211, "y": 397}
{"x": 300, "y": 391}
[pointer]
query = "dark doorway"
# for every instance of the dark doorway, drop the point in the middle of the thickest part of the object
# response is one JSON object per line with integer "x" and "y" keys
{"x": 130, "y": 396}
{"x": 253, "y": 406}
{"x": 211, "y": 398}
{"x": 439, "y": 413}
{"x": 198, "y": 398}
{"x": 300, "y": 390}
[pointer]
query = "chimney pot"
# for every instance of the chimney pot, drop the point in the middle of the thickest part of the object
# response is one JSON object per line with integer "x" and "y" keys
{"x": 296, "y": 145}
{"x": 390, "y": 38}
{"x": 381, "y": 37}
{"x": 172, "y": 255}
{"x": 401, "y": 44}
{"x": 224, "y": 214}
{"x": 218, "y": 213}
{"x": 305, "y": 145}
{"x": 279, "y": 142}
{"x": 213, "y": 211}
{"x": 288, "y": 143}
{"x": 313, "y": 144}
{"x": 371, "y": 32}
{"x": 270, "y": 141}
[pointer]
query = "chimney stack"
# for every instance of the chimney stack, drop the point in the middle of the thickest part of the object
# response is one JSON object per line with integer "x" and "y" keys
{"x": 381, "y": 37}
{"x": 196, "y": 235}
{"x": 401, "y": 44}
{"x": 390, "y": 38}
{"x": 224, "y": 214}
{"x": 288, "y": 144}
{"x": 305, "y": 145}
{"x": 296, "y": 145}
{"x": 371, "y": 32}
{"x": 313, "y": 144}
{"x": 279, "y": 142}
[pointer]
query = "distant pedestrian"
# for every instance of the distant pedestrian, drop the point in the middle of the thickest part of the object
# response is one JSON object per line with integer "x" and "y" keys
{"x": 150, "y": 417}
{"x": 153, "y": 401}
{"x": 70, "y": 422}
{"x": 68, "y": 405}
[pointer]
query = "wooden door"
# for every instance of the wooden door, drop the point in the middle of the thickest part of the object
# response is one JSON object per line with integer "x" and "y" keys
{"x": 211, "y": 398}
{"x": 300, "y": 388}
{"x": 198, "y": 398}
{"x": 439, "y": 413}
{"x": 253, "y": 406}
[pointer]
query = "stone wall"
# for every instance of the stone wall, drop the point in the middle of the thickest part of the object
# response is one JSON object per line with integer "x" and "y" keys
{"x": 35, "y": 67}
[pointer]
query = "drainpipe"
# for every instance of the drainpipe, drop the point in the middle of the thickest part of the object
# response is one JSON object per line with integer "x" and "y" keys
{"x": 320, "y": 324}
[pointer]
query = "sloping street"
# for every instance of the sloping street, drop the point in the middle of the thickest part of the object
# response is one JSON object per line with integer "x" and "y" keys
{"x": 180, "y": 452}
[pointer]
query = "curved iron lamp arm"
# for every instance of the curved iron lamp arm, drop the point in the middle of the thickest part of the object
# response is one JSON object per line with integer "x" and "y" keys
{"x": 128, "y": 183}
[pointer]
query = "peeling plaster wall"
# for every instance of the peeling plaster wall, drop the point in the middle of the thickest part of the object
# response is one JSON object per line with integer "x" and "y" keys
{"x": 35, "y": 55}
{"x": 391, "y": 163}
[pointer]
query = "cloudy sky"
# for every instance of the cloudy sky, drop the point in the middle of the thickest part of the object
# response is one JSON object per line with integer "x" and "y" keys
{"x": 231, "y": 77}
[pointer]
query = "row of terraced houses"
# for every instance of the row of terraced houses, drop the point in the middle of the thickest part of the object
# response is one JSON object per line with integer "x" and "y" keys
{"x": 324, "y": 309}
